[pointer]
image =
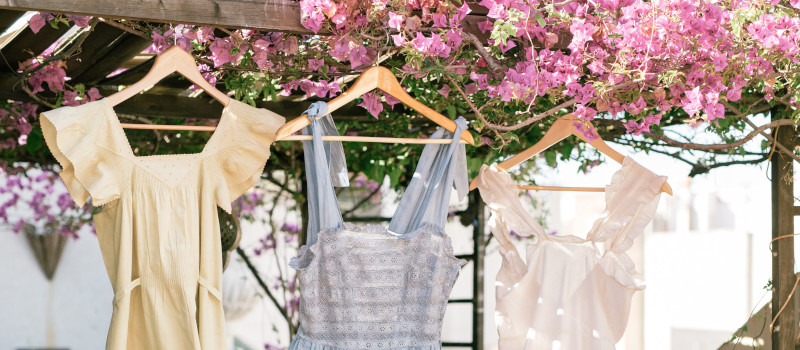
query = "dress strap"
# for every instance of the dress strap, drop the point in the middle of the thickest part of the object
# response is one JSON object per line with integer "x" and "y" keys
{"x": 325, "y": 168}
{"x": 440, "y": 168}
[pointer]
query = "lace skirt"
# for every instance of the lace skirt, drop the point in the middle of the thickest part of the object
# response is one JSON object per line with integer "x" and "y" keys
{"x": 303, "y": 342}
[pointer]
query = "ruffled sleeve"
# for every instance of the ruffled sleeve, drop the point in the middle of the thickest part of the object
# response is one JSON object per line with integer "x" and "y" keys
{"x": 245, "y": 152}
{"x": 631, "y": 203}
{"x": 73, "y": 135}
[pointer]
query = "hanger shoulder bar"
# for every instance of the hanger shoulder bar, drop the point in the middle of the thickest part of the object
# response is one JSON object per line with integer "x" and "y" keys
{"x": 665, "y": 188}
{"x": 168, "y": 127}
{"x": 383, "y": 79}
{"x": 561, "y": 188}
{"x": 397, "y": 140}
{"x": 171, "y": 60}
{"x": 370, "y": 139}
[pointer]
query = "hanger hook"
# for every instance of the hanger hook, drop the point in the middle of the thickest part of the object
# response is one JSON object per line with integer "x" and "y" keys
{"x": 174, "y": 35}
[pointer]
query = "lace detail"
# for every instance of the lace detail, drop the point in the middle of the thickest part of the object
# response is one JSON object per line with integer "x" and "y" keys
{"x": 366, "y": 287}
{"x": 302, "y": 342}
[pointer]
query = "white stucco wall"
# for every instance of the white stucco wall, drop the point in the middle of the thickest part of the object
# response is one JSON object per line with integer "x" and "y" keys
{"x": 72, "y": 311}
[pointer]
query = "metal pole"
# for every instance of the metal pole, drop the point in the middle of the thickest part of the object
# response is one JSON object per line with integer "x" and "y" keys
{"x": 479, "y": 250}
{"x": 783, "y": 276}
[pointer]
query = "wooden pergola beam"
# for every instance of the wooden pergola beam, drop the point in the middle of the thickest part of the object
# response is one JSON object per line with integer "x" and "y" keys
{"x": 28, "y": 45}
{"x": 202, "y": 107}
{"x": 102, "y": 39}
{"x": 128, "y": 47}
{"x": 8, "y": 17}
{"x": 269, "y": 15}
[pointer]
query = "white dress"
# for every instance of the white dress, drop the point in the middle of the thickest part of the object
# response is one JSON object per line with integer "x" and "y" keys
{"x": 569, "y": 294}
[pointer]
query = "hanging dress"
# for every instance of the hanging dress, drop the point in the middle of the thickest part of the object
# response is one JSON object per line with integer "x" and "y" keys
{"x": 568, "y": 295}
{"x": 158, "y": 229}
{"x": 369, "y": 287}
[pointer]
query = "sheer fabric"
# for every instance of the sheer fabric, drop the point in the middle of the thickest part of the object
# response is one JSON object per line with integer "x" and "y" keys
{"x": 159, "y": 230}
{"x": 368, "y": 287}
{"x": 569, "y": 294}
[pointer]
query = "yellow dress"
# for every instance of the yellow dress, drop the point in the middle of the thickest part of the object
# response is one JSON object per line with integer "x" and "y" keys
{"x": 158, "y": 229}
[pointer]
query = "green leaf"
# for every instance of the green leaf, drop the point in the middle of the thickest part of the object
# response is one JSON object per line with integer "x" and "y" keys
{"x": 566, "y": 150}
{"x": 35, "y": 141}
{"x": 394, "y": 174}
{"x": 540, "y": 20}
{"x": 550, "y": 157}
{"x": 451, "y": 111}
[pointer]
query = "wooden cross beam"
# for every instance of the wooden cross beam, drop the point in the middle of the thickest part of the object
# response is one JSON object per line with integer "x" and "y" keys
{"x": 262, "y": 15}
{"x": 269, "y": 15}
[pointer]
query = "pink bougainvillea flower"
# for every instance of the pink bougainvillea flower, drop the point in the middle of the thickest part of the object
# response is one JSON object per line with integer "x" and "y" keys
{"x": 37, "y": 22}
{"x": 589, "y": 132}
{"x": 585, "y": 113}
{"x": 372, "y": 103}
{"x": 439, "y": 20}
{"x": 71, "y": 98}
{"x": 390, "y": 100}
{"x": 508, "y": 45}
{"x": 358, "y": 57}
{"x": 221, "y": 52}
{"x": 80, "y": 21}
{"x": 53, "y": 75}
{"x": 734, "y": 93}
{"x": 289, "y": 45}
{"x": 340, "y": 20}
{"x": 453, "y": 38}
{"x": 470, "y": 88}
{"x": 313, "y": 21}
{"x": 445, "y": 90}
{"x": 413, "y": 22}
{"x": 692, "y": 103}
{"x": 485, "y": 26}
{"x": 464, "y": 10}
{"x": 399, "y": 39}
{"x": 581, "y": 34}
{"x": 631, "y": 126}
{"x": 93, "y": 94}
{"x": 315, "y": 63}
{"x": 715, "y": 111}
{"x": 395, "y": 20}
{"x": 421, "y": 43}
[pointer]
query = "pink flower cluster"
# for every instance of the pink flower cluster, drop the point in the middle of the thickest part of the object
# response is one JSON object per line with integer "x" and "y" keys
{"x": 645, "y": 57}
{"x": 54, "y": 77}
{"x": 38, "y": 198}
{"x": 41, "y": 19}
{"x": 16, "y": 123}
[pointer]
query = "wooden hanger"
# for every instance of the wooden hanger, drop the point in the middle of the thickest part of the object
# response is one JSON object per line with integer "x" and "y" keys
{"x": 560, "y": 129}
{"x": 173, "y": 59}
{"x": 376, "y": 78}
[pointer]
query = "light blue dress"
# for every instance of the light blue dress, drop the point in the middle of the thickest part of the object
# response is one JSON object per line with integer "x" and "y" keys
{"x": 369, "y": 287}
